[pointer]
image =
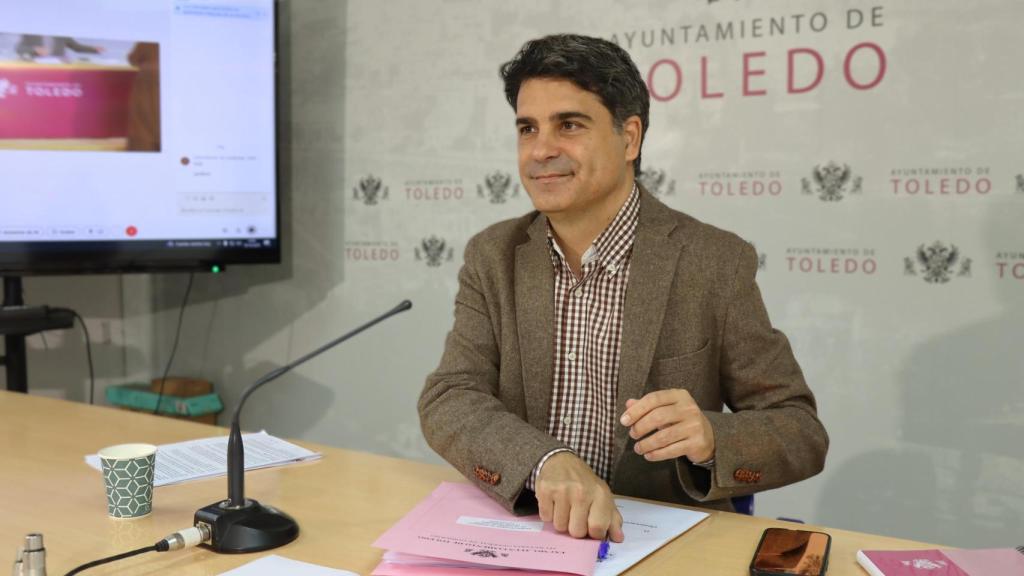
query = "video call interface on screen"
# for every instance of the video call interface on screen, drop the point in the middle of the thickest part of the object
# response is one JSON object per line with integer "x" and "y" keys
{"x": 125, "y": 121}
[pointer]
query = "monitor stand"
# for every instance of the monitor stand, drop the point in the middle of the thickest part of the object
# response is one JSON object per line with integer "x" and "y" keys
{"x": 18, "y": 321}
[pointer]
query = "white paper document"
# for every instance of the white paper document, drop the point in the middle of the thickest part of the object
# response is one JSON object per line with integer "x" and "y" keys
{"x": 274, "y": 565}
{"x": 207, "y": 457}
{"x": 646, "y": 527}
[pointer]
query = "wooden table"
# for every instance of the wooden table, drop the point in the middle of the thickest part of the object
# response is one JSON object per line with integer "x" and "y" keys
{"x": 342, "y": 502}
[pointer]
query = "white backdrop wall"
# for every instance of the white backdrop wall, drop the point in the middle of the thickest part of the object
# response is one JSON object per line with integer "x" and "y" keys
{"x": 884, "y": 195}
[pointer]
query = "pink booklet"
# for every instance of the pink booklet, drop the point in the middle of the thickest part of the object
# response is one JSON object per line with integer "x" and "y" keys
{"x": 459, "y": 522}
{"x": 1000, "y": 561}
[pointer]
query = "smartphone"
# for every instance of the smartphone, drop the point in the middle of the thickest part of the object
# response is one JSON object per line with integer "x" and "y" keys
{"x": 784, "y": 552}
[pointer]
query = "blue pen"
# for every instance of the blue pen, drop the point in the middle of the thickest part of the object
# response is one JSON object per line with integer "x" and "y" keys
{"x": 602, "y": 550}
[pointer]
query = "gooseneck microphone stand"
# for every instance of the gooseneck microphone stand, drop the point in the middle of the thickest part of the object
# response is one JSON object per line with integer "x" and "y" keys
{"x": 241, "y": 524}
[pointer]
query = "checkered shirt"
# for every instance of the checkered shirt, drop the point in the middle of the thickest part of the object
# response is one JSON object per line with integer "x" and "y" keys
{"x": 588, "y": 334}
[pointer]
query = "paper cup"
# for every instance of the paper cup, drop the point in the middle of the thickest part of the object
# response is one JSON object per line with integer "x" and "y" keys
{"x": 128, "y": 478}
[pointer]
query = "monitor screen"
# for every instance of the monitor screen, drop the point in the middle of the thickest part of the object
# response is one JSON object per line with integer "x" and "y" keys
{"x": 137, "y": 135}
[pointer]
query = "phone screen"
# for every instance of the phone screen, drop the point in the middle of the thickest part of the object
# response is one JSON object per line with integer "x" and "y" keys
{"x": 797, "y": 552}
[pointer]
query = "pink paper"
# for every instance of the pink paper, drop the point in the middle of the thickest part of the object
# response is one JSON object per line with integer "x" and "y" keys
{"x": 1002, "y": 561}
{"x": 458, "y": 522}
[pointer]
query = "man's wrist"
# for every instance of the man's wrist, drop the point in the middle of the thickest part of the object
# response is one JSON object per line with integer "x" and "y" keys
{"x": 531, "y": 482}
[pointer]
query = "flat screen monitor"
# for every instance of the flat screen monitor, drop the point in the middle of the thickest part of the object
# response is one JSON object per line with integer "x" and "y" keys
{"x": 137, "y": 135}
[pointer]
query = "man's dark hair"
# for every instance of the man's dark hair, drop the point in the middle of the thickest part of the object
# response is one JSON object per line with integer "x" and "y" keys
{"x": 595, "y": 65}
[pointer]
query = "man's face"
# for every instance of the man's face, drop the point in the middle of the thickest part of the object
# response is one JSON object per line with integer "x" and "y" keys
{"x": 571, "y": 157}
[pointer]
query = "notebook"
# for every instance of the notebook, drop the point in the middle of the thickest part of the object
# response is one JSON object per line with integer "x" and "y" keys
{"x": 989, "y": 562}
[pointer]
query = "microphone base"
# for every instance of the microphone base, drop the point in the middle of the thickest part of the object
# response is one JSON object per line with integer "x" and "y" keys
{"x": 251, "y": 528}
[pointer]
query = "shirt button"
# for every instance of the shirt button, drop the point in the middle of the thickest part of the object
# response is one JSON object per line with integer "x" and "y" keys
{"x": 577, "y": 292}
{"x": 571, "y": 355}
{"x": 567, "y": 420}
{"x": 613, "y": 269}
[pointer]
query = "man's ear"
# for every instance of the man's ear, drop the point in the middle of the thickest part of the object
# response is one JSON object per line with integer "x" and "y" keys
{"x": 632, "y": 131}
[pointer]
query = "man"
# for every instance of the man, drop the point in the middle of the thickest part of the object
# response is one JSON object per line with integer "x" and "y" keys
{"x": 597, "y": 339}
{"x": 32, "y": 46}
{"x": 144, "y": 106}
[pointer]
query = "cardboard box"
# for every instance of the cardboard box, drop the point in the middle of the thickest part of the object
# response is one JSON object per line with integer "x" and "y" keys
{"x": 185, "y": 398}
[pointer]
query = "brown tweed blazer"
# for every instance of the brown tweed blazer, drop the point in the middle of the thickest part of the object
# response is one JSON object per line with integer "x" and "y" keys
{"x": 693, "y": 319}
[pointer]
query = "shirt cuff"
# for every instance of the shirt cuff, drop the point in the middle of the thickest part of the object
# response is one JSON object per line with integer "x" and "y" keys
{"x": 531, "y": 482}
{"x": 707, "y": 464}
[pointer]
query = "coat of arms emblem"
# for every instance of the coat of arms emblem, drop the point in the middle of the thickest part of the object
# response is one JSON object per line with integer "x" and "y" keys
{"x": 831, "y": 182}
{"x": 925, "y": 564}
{"x": 937, "y": 263}
{"x": 485, "y": 553}
{"x": 498, "y": 184}
{"x": 434, "y": 250}
{"x": 369, "y": 190}
{"x": 653, "y": 180}
{"x": 7, "y": 88}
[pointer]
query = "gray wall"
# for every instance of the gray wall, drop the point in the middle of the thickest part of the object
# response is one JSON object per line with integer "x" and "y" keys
{"x": 57, "y": 360}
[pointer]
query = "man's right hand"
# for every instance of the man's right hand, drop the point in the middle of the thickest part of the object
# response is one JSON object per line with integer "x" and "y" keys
{"x": 574, "y": 499}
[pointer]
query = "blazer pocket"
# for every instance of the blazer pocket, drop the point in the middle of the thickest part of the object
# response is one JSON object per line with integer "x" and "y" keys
{"x": 681, "y": 363}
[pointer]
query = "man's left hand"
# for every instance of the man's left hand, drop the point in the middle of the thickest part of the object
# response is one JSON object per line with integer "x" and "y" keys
{"x": 679, "y": 427}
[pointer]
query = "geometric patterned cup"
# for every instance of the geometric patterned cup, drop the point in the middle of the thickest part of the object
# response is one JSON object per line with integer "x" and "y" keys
{"x": 128, "y": 478}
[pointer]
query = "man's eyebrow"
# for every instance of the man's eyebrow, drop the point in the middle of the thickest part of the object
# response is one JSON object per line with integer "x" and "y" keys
{"x": 556, "y": 117}
{"x": 571, "y": 115}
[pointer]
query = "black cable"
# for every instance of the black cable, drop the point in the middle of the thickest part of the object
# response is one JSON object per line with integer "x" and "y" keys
{"x": 154, "y": 548}
{"x": 88, "y": 355}
{"x": 174, "y": 348}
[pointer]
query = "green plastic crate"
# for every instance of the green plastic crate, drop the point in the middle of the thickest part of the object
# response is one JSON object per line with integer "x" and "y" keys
{"x": 140, "y": 397}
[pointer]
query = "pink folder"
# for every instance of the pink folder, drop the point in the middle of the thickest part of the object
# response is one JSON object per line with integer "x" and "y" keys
{"x": 459, "y": 522}
{"x": 389, "y": 569}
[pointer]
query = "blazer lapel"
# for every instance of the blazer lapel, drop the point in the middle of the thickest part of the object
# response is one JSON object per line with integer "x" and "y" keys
{"x": 652, "y": 269}
{"x": 535, "y": 313}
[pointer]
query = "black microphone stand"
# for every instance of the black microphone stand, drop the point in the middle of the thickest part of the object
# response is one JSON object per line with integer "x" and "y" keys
{"x": 240, "y": 524}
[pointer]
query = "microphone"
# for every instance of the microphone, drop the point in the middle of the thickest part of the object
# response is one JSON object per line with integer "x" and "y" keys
{"x": 239, "y": 524}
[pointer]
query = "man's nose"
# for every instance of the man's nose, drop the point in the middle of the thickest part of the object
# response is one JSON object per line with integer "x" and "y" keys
{"x": 545, "y": 146}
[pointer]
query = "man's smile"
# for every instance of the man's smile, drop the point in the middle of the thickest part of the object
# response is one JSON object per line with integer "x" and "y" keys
{"x": 546, "y": 178}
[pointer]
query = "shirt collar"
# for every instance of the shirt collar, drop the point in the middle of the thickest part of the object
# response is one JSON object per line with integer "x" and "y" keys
{"x": 612, "y": 245}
